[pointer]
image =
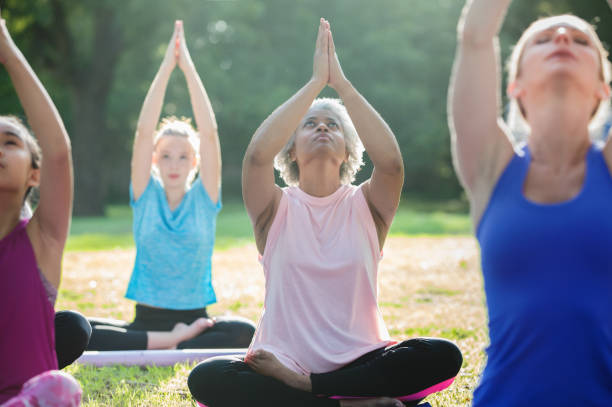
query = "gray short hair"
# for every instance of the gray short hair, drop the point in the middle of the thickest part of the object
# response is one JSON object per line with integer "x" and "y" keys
{"x": 288, "y": 168}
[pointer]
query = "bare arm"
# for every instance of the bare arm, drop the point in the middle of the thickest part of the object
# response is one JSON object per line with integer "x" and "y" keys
{"x": 261, "y": 195}
{"x": 478, "y": 139}
{"x": 210, "y": 151}
{"x": 142, "y": 153}
{"x": 48, "y": 229}
{"x": 383, "y": 189}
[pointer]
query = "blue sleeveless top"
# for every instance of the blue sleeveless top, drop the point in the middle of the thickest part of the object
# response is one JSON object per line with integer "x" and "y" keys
{"x": 548, "y": 281}
{"x": 174, "y": 248}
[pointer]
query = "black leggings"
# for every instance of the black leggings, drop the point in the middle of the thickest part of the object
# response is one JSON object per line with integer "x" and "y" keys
{"x": 111, "y": 334}
{"x": 72, "y": 332}
{"x": 399, "y": 370}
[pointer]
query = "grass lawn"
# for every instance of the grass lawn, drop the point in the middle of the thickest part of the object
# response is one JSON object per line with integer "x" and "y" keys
{"x": 430, "y": 285}
{"x": 234, "y": 227}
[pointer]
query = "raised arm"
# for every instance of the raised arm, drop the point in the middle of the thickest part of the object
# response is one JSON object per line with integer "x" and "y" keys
{"x": 383, "y": 189}
{"x": 49, "y": 226}
{"x": 210, "y": 151}
{"x": 479, "y": 143}
{"x": 142, "y": 153}
{"x": 261, "y": 194}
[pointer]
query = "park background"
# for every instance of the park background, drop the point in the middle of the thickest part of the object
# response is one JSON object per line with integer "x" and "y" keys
{"x": 97, "y": 59}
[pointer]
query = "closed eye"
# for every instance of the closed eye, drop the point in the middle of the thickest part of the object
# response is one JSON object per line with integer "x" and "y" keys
{"x": 581, "y": 40}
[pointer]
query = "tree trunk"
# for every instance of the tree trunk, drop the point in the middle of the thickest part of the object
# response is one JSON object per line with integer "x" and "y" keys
{"x": 89, "y": 133}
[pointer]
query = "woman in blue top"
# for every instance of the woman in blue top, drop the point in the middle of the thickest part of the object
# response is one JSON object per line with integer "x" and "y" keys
{"x": 174, "y": 226}
{"x": 542, "y": 209}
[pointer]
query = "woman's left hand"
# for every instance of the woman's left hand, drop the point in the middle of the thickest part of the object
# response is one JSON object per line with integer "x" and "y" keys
{"x": 336, "y": 77}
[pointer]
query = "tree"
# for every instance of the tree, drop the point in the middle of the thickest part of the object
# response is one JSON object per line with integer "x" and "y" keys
{"x": 97, "y": 58}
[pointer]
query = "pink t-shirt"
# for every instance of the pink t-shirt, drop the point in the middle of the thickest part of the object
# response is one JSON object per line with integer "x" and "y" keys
{"x": 321, "y": 263}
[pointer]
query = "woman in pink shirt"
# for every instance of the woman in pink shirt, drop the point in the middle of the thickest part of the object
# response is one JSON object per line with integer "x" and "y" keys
{"x": 321, "y": 340}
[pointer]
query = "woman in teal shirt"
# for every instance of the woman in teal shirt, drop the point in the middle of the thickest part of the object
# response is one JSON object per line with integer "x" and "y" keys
{"x": 174, "y": 226}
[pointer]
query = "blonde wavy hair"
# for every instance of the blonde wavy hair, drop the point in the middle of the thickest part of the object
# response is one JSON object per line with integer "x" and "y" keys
{"x": 516, "y": 120}
{"x": 288, "y": 168}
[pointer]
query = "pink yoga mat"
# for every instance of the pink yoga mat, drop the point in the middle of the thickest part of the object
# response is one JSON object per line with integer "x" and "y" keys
{"x": 153, "y": 357}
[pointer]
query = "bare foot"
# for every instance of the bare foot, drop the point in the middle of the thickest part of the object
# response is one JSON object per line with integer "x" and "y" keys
{"x": 378, "y": 402}
{"x": 184, "y": 332}
{"x": 267, "y": 364}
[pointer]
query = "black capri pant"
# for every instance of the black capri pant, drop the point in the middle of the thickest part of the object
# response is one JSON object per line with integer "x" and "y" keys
{"x": 403, "y": 369}
{"x": 227, "y": 332}
{"x": 72, "y": 332}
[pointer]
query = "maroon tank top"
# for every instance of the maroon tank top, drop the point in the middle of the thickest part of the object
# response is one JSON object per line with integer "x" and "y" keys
{"x": 27, "y": 333}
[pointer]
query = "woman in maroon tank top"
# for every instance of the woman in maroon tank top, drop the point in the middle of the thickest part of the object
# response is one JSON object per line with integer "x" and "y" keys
{"x": 31, "y": 249}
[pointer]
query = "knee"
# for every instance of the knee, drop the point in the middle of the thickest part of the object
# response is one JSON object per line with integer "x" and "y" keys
{"x": 75, "y": 325}
{"x": 245, "y": 331}
{"x": 442, "y": 355}
{"x": 72, "y": 334}
{"x": 450, "y": 355}
{"x": 240, "y": 331}
{"x": 205, "y": 380}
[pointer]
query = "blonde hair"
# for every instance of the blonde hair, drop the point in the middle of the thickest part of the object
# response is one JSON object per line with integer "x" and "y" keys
{"x": 35, "y": 158}
{"x": 288, "y": 168}
{"x": 173, "y": 126}
{"x": 516, "y": 114}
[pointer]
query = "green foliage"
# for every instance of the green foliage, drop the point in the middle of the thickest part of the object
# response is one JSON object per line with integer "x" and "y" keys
{"x": 98, "y": 57}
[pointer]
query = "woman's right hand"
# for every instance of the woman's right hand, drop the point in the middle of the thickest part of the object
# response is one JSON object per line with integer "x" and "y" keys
{"x": 320, "y": 68}
{"x": 7, "y": 46}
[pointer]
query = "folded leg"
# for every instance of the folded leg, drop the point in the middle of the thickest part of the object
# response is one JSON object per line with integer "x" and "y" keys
{"x": 229, "y": 382}
{"x": 415, "y": 367}
{"x": 72, "y": 333}
{"x": 228, "y": 332}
